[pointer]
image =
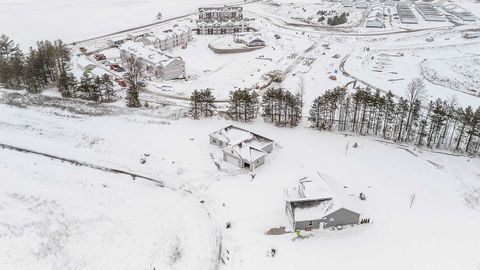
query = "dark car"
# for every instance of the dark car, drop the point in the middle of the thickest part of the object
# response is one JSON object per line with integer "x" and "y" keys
{"x": 100, "y": 57}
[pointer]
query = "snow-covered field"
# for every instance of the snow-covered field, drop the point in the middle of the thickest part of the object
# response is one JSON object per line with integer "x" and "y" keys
{"x": 309, "y": 12}
{"x": 446, "y": 210}
{"x": 27, "y": 21}
{"x": 57, "y": 215}
{"x": 461, "y": 73}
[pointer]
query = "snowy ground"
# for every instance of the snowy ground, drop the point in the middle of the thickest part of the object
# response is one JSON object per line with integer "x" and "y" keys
{"x": 61, "y": 216}
{"x": 27, "y": 21}
{"x": 54, "y": 215}
{"x": 446, "y": 210}
{"x": 465, "y": 71}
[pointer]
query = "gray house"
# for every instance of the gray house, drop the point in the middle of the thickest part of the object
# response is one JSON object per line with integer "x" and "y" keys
{"x": 315, "y": 209}
{"x": 241, "y": 147}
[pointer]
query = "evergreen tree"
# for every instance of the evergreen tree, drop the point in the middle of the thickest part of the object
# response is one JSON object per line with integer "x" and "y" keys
{"x": 67, "y": 84}
{"x": 133, "y": 77}
{"x": 106, "y": 89}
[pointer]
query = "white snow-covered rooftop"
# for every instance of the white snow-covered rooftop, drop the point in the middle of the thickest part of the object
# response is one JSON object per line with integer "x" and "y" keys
{"x": 246, "y": 151}
{"x": 233, "y": 135}
{"x": 313, "y": 188}
{"x": 83, "y": 62}
{"x": 148, "y": 53}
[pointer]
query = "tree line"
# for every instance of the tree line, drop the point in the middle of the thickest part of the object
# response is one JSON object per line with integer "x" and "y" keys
{"x": 436, "y": 124}
{"x": 46, "y": 65}
{"x": 279, "y": 106}
{"x": 35, "y": 70}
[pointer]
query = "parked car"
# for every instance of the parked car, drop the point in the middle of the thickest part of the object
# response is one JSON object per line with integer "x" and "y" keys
{"x": 99, "y": 57}
{"x": 121, "y": 82}
{"x": 114, "y": 66}
{"x": 119, "y": 69}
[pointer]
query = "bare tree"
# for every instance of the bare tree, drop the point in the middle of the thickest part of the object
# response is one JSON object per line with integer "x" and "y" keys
{"x": 415, "y": 92}
{"x": 132, "y": 78}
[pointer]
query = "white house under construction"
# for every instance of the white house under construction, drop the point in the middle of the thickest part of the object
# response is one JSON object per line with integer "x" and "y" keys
{"x": 314, "y": 206}
{"x": 241, "y": 147}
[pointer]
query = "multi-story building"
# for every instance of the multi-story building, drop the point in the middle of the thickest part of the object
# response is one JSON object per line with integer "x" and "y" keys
{"x": 220, "y": 13}
{"x": 153, "y": 61}
{"x": 168, "y": 39}
{"x": 221, "y": 21}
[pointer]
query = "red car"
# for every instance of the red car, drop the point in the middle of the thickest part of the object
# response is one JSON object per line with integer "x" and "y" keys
{"x": 114, "y": 66}
{"x": 121, "y": 82}
{"x": 100, "y": 57}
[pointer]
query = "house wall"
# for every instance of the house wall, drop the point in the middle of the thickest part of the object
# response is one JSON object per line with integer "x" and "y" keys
{"x": 233, "y": 159}
{"x": 217, "y": 142}
{"x": 342, "y": 217}
{"x": 306, "y": 225}
{"x": 175, "y": 70}
{"x": 257, "y": 163}
{"x": 221, "y": 28}
{"x": 268, "y": 148}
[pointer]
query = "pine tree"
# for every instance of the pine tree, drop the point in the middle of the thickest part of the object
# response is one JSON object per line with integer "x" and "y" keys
{"x": 67, "y": 84}
{"x": 133, "y": 77}
{"x": 106, "y": 89}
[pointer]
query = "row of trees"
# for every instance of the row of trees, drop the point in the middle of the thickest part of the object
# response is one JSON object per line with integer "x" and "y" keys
{"x": 202, "y": 103}
{"x": 35, "y": 70}
{"x": 279, "y": 106}
{"x": 98, "y": 89}
{"x": 437, "y": 124}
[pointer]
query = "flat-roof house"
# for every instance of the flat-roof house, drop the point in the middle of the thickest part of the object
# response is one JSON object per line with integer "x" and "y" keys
{"x": 241, "y": 147}
{"x": 317, "y": 207}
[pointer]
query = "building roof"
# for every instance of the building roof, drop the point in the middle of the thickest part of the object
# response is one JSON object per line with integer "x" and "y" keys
{"x": 319, "y": 198}
{"x": 312, "y": 188}
{"x": 245, "y": 151}
{"x": 84, "y": 63}
{"x": 99, "y": 72}
{"x": 149, "y": 53}
{"x": 233, "y": 135}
